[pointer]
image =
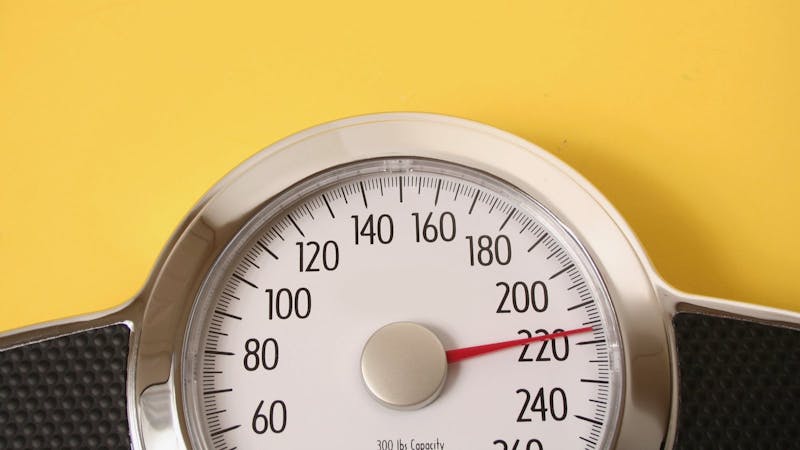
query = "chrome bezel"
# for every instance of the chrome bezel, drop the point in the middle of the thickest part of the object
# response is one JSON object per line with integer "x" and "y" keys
{"x": 244, "y": 192}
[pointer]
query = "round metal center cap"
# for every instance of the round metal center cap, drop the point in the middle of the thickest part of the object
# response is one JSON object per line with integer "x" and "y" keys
{"x": 404, "y": 365}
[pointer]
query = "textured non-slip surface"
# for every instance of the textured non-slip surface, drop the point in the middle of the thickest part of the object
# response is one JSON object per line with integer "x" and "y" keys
{"x": 739, "y": 384}
{"x": 66, "y": 393}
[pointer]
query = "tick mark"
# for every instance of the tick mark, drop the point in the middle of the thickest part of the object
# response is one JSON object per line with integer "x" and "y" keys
{"x": 295, "y": 225}
{"x": 525, "y": 227}
{"x": 474, "y": 199}
{"x": 401, "y": 189}
{"x": 596, "y": 422}
{"x": 218, "y": 391}
{"x": 493, "y": 204}
{"x": 261, "y": 244}
{"x": 438, "y": 189}
{"x": 562, "y": 271}
{"x": 596, "y": 341}
{"x": 236, "y": 275}
{"x": 226, "y": 295}
{"x": 333, "y": 216}
{"x": 223, "y": 313}
{"x": 363, "y": 194}
{"x": 217, "y": 352}
{"x": 587, "y": 380}
{"x": 538, "y": 241}
{"x": 251, "y": 262}
{"x": 555, "y": 252}
{"x": 578, "y": 284}
{"x": 514, "y": 210}
{"x": 580, "y": 305}
{"x": 217, "y": 433}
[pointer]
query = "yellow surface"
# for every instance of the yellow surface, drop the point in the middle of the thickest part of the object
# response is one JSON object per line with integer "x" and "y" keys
{"x": 116, "y": 116}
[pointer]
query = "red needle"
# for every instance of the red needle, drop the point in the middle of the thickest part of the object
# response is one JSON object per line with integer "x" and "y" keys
{"x": 457, "y": 354}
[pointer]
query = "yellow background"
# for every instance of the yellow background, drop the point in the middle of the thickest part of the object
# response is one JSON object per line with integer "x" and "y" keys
{"x": 116, "y": 116}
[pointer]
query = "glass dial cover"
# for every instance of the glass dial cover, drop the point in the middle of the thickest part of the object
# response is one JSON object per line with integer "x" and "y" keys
{"x": 275, "y": 340}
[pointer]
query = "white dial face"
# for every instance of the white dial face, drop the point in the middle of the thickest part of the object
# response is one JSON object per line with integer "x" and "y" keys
{"x": 274, "y": 348}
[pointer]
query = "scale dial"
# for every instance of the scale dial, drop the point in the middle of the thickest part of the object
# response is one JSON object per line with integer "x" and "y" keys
{"x": 273, "y": 355}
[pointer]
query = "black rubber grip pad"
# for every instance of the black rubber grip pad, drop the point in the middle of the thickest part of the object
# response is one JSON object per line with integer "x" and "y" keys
{"x": 739, "y": 384}
{"x": 66, "y": 393}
